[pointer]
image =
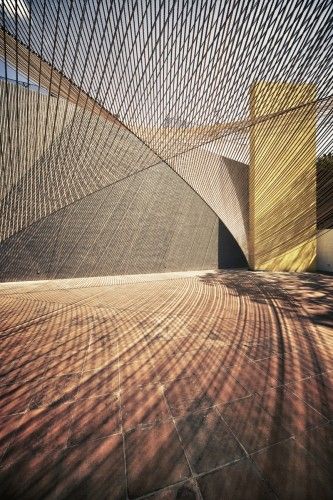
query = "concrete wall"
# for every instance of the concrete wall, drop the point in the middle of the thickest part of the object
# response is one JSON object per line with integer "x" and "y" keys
{"x": 325, "y": 250}
{"x": 150, "y": 222}
{"x": 55, "y": 154}
{"x": 73, "y": 211}
{"x": 222, "y": 183}
{"x": 325, "y": 217}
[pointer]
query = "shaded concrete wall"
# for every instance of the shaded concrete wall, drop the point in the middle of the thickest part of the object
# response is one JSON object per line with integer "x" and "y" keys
{"x": 231, "y": 255}
{"x": 115, "y": 208}
{"x": 54, "y": 154}
{"x": 151, "y": 222}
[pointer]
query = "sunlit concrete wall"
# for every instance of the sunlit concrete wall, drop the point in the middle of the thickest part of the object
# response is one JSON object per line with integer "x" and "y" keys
{"x": 282, "y": 179}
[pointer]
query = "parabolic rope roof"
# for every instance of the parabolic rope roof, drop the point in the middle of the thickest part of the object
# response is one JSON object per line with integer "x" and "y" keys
{"x": 132, "y": 130}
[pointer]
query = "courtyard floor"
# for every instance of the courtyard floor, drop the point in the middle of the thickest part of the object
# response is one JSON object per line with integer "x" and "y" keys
{"x": 213, "y": 386}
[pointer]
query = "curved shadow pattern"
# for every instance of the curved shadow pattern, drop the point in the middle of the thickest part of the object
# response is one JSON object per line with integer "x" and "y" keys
{"x": 219, "y": 383}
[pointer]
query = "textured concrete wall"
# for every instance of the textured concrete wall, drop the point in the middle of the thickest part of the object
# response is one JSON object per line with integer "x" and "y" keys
{"x": 222, "y": 183}
{"x": 151, "y": 222}
{"x": 325, "y": 250}
{"x": 282, "y": 187}
{"x": 114, "y": 208}
{"x": 55, "y": 154}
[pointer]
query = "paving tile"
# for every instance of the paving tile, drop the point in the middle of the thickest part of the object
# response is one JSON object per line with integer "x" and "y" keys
{"x": 55, "y": 389}
{"x": 188, "y": 344}
{"x": 103, "y": 340}
{"x": 22, "y": 370}
{"x": 316, "y": 392}
{"x": 90, "y": 470}
{"x": 239, "y": 481}
{"x": 215, "y": 328}
{"x": 290, "y": 411}
{"x": 94, "y": 418}
{"x": 137, "y": 352}
{"x": 314, "y": 353}
{"x": 161, "y": 348}
{"x": 170, "y": 326}
{"x": 252, "y": 425}
{"x": 15, "y": 398}
{"x": 223, "y": 356}
{"x": 8, "y": 429}
{"x": 207, "y": 441}
{"x": 220, "y": 386}
{"x": 33, "y": 371}
{"x": 179, "y": 365}
{"x": 162, "y": 464}
{"x": 32, "y": 475}
{"x": 281, "y": 370}
{"x": 208, "y": 353}
{"x": 319, "y": 443}
{"x": 98, "y": 382}
{"x": 16, "y": 340}
{"x": 327, "y": 379}
{"x": 259, "y": 351}
{"x": 137, "y": 374}
{"x": 97, "y": 470}
{"x": 131, "y": 338}
{"x": 99, "y": 358}
{"x": 64, "y": 365}
{"x": 74, "y": 346}
{"x": 8, "y": 356}
{"x": 187, "y": 491}
{"x": 185, "y": 395}
{"x": 293, "y": 473}
{"x": 44, "y": 349}
{"x": 142, "y": 406}
{"x": 249, "y": 375}
{"x": 43, "y": 428}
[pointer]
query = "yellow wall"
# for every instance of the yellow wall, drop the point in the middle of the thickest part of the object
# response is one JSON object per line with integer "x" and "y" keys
{"x": 282, "y": 185}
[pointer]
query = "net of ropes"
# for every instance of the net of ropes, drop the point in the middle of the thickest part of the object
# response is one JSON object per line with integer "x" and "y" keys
{"x": 97, "y": 93}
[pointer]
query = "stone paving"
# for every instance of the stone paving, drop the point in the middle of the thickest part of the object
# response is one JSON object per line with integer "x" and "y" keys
{"x": 216, "y": 386}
